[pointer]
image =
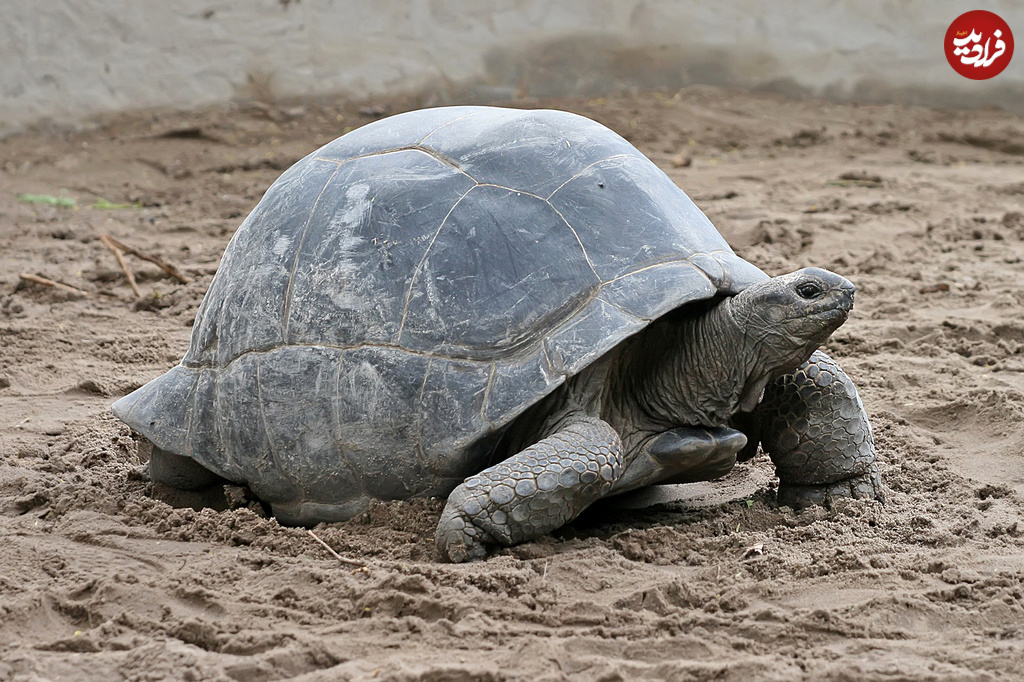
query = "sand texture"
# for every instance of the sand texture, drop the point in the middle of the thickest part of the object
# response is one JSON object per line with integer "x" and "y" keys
{"x": 922, "y": 209}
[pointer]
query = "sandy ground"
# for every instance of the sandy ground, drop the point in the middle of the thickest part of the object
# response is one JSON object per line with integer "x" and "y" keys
{"x": 922, "y": 209}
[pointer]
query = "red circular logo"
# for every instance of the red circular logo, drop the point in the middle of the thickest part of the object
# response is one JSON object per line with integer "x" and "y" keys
{"x": 978, "y": 45}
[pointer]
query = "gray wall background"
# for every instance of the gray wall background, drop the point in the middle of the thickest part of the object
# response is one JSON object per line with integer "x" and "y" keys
{"x": 67, "y": 60}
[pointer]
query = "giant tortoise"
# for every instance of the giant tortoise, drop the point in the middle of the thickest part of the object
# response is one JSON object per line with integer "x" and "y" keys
{"x": 514, "y": 309}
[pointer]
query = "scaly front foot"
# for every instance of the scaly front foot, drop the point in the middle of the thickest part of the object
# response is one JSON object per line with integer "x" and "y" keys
{"x": 815, "y": 429}
{"x": 531, "y": 493}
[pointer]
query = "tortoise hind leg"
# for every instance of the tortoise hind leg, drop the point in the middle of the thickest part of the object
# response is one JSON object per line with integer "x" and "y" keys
{"x": 814, "y": 427}
{"x": 682, "y": 455}
{"x": 183, "y": 482}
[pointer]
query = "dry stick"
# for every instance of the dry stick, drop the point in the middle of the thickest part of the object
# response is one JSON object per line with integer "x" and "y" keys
{"x": 166, "y": 267}
{"x": 28, "y": 277}
{"x": 344, "y": 560}
{"x": 109, "y": 243}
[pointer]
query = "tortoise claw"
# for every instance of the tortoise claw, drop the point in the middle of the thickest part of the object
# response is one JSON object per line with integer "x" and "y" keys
{"x": 458, "y": 540}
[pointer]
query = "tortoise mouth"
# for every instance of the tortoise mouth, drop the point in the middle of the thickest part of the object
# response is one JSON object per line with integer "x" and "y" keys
{"x": 838, "y": 315}
{"x": 827, "y": 322}
{"x": 815, "y": 327}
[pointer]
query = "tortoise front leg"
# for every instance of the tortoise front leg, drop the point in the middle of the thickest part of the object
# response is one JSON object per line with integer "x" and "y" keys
{"x": 814, "y": 427}
{"x": 531, "y": 493}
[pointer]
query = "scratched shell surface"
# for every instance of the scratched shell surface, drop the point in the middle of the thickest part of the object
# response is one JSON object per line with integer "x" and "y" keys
{"x": 400, "y": 295}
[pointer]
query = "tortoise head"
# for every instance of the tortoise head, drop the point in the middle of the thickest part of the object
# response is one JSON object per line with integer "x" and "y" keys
{"x": 789, "y": 316}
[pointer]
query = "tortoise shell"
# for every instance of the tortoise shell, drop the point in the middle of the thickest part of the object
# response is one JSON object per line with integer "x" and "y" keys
{"x": 402, "y": 294}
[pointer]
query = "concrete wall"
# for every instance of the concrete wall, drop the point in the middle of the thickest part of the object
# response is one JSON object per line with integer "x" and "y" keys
{"x": 66, "y": 60}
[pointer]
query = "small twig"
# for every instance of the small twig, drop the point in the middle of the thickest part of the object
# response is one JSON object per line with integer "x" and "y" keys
{"x": 28, "y": 277}
{"x": 166, "y": 267}
{"x": 344, "y": 560}
{"x": 109, "y": 243}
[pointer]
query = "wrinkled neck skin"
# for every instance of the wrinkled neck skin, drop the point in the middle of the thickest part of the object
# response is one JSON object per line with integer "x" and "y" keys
{"x": 695, "y": 371}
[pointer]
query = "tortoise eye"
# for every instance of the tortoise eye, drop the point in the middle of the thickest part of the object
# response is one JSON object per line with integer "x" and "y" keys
{"x": 809, "y": 290}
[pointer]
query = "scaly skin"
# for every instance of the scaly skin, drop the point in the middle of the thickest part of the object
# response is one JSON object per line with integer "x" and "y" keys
{"x": 660, "y": 411}
{"x": 531, "y": 493}
{"x": 813, "y": 426}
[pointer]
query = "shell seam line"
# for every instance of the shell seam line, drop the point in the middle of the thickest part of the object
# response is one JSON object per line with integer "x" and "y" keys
{"x": 510, "y": 189}
{"x": 487, "y": 395}
{"x": 684, "y": 261}
{"x": 327, "y": 346}
{"x": 572, "y": 229}
{"x": 396, "y": 347}
{"x": 342, "y": 446}
{"x": 434, "y": 154}
{"x": 286, "y": 308}
{"x": 623, "y": 310}
{"x": 266, "y": 428}
{"x": 419, "y": 266}
{"x": 419, "y": 416}
{"x": 579, "y": 241}
{"x": 445, "y": 125}
{"x": 547, "y": 360}
{"x": 443, "y": 159}
{"x": 613, "y": 156}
